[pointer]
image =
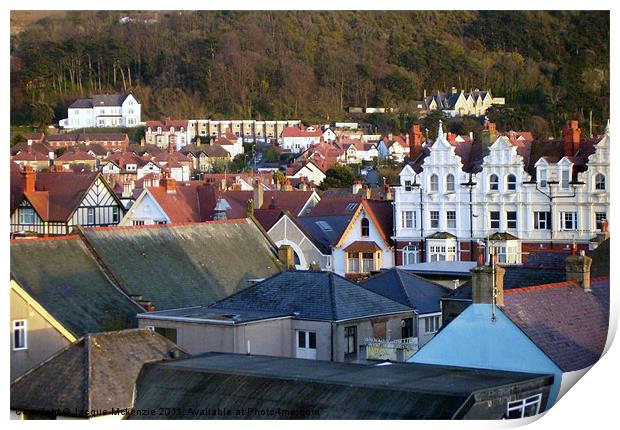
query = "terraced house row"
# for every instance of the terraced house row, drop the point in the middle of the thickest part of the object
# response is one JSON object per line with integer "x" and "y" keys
{"x": 521, "y": 195}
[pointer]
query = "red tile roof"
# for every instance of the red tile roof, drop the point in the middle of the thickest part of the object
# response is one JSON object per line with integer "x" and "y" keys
{"x": 302, "y": 132}
{"x": 166, "y": 124}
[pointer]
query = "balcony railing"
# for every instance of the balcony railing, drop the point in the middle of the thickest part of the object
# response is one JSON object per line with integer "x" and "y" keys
{"x": 392, "y": 350}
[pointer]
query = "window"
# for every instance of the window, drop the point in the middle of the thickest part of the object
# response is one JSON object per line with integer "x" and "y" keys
{"x": 444, "y": 252}
{"x": 90, "y": 216}
{"x": 600, "y": 217}
{"x": 324, "y": 225}
{"x": 434, "y": 182}
{"x": 451, "y": 219}
{"x": 408, "y": 219}
{"x": 350, "y": 342}
{"x": 159, "y": 222}
{"x": 411, "y": 255}
{"x": 511, "y": 219}
{"x": 511, "y": 182}
{"x": 542, "y": 220}
{"x": 494, "y": 216}
{"x": 19, "y": 335}
{"x": 408, "y": 186}
{"x": 353, "y": 262}
{"x": 434, "y": 219}
{"x": 365, "y": 227}
{"x": 568, "y": 220}
{"x": 565, "y": 178}
{"x": 368, "y": 262}
{"x": 431, "y": 324}
{"x": 524, "y": 407}
{"x": 543, "y": 177}
{"x": 306, "y": 339}
{"x": 406, "y": 328}
{"x": 493, "y": 182}
{"x": 350, "y": 207}
{"x": 26, "y": 216}
{"x": 450, "y": 183}
{"x": 138, "y": 222}
{"x": 508, "y": 252}
{"x": 115, "y": 215}
{"x": 599, "y": 182}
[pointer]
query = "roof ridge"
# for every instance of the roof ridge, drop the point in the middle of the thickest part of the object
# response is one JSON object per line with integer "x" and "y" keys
{"x": 42, "y": 239}
{"x": 176, "y": 224}
{"x": 541, "y": 287}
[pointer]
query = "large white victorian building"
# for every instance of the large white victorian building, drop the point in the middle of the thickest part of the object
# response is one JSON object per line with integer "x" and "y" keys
{"x": 115, "y": 110}
{"x": 519, "y": 196}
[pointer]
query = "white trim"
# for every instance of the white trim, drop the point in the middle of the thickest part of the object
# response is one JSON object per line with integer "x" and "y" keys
{"x": 23, "y": 328}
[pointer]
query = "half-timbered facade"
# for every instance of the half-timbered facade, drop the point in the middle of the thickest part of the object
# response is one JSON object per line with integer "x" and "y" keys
{"x": 49, "y": 204}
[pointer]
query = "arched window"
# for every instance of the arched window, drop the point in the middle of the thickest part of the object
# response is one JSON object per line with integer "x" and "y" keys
{"x": 599, "y": 182}
{"x": 493, "y": 182}
{"x": 434, "y": 182}
{"x": 365, "y": 227}
{"x": 511, "y": 182}
{"x": 450, "y": 182}
{"x": 411, "y": 255}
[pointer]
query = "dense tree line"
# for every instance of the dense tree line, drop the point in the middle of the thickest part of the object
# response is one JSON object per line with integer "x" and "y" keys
{"x": 313, "y": 65}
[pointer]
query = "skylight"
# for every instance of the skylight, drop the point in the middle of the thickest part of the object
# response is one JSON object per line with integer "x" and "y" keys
{"x": 350, "y": 206}
{"x": 324, "y": 226}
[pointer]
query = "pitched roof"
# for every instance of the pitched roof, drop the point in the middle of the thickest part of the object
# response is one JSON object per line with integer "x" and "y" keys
{"x": 312, "y": 295}
{"x": 408, "y": 289}
{"x": 61, "y": 275}
{"x": 301, "y": 132}
{"x": 325, "y": 230}
{"x": 175, "y": 266}
{"x": 65, "y": 191}
{"x": 336, "y": 390}
{"x": 76, "y": 156}
{"x": 100, "y": 100}
{"x": 97, "y": 372}
{"x": 293, "y": 201}
{"x": 24, "y": 147}
{"x": 566, "y": 322}
{"x": 187, "y": 204}
{"x": 166, "y": 124}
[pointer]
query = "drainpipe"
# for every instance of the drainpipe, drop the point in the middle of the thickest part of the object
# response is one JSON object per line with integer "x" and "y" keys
{"x": 331, "y": 332}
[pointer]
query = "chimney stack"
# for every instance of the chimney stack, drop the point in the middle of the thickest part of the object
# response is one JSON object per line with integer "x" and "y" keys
{"x": 367, "y": 192}
{"x": 578, "y": 269}
{"x": 571, "y": 135}
{"x": 127, "y": 189}
{"x": 58, "y": 168}
{"x": 415, "y": 141}
{"x": 258, "y": 194}
{"x": 388, "y": 192}
{"x": 357, "y": 186}
{"x": 169, "y": 184}
{"x": 287, "y": 256}
{"x": 302, "y": 184}
{"x": 29, "y": 177}
{"x": 288, "y": 186}
{"x": 482, "y": 284}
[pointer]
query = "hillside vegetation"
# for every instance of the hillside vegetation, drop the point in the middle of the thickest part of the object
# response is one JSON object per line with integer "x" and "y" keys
{"x": 312, "y": 65}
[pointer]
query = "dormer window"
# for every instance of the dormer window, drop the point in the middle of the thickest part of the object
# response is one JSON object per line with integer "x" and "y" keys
{"x": 543, "y": 177}
{"x": 450, "y": 183}
{"x": 565, "y": 177}
{"x": 408, "y": 185}
{"x": 511, "y": 182}
{"x": 599, "y": 182}
{"x": 365, "y": 227}
{"x": 434, "y": 182}
{"x": 494, "y": 182}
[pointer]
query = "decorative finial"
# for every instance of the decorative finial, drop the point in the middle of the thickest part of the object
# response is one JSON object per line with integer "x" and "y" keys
{"x": 607, "y": 128}
{"x": 440, "y": 130}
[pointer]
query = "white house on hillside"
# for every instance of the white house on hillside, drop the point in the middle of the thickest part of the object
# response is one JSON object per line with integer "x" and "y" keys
{"x": 115, "y": 110}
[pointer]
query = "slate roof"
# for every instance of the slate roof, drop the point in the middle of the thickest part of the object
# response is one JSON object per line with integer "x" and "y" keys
{"x": 546, "y": 259}
{"x": 408, "y": 289}
{"x": 323, "y": 238}
{"x": 100, "y": 100}
{"x": 312, "y": 295}
{"x": 600, "y": 260}
{"x": 337, "y": 390}
{"x": 175, "y": 266}
{"x": 96, "y": 372}
{"x": 24, "y": 147}
{"x": 566, "y": 322}
{"x": 61, "y": 276}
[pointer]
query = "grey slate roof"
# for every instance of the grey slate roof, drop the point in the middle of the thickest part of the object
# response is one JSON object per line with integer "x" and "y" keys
{"x": 96, "y": 372}
{"x": 325, "y": 238}
{"x": 62, "y": 277}
{"x": 566, "y": 322}
{"x": 100, "y": 100}
{"x": 312, "y": 295}
{"x": 408, "y": 289}
{"x": 213, "y": 313}
{"x": 175, "y": 266}
{"x": 337, "y": 390}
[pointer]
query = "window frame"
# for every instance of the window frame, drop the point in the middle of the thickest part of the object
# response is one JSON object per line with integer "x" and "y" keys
{"x": 434, "y": 219}
{"x": 350, "y": 340}
{"x": 432, "y": 322}
{"x": 22, "y": 216}
{"x": 493, "y": 182}
{"x": 598, "y": 182}
{"x": 434, "y": 183}
{"x": 450, "y": 183}
{"x": 20, "y": 328}
{"x": 493, "y": 220}
{"x": 522, "y": 404}
{"x": 411, "y": 251}
{"x": 510, "y": 221}
{"x": 564, "y": 219}
{"x": 116, "y": 215}
{"x": 511, "y": 182}
{"x": 365, "y": 227}
{"x": 538, "y": 220}
{"x": 451, "y": 221}
{"x": 598, "y": 224}
{"x": 90, "y": 213}
{"x": 408, "y": 219}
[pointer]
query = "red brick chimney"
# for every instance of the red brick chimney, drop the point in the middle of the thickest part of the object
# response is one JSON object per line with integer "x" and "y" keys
{"x": 571, "y": 136}
{"x": 169, "y": 184}
{"x": 415, "y": 139}
{"x": 29, "y": 177}
{"x": 58, "y": 168}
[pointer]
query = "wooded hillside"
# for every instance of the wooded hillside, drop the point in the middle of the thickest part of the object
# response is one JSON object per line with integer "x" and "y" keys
{"x": 313, "y": 65}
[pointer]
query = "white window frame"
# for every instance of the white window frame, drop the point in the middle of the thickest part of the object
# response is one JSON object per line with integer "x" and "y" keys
{"x": 450, "y": 222}
{"x": 408, "y": 219}
{"x": 21, "y": 326}
{"x": 515, "y": 220}
{"x": 411, "y": 255}
{"x": 597, "y": 215}
{"x": 565, "y": 178}
{"x": 116, "y": 215}
{"x": 434, "y": 183}
{"x": 492, "y": 220}
{"x": 493, "y": 182}
{"x": 522, "y": 404}
{"x": 511, "y": 185}
{"x": 31, "y": 215}
{"x": 564, "y": 217}
{"x": 450, "y": 186}
{"x": 90, "y": 212}
{"x": 600, "y": 184}
{"x": 542, "y": 218}
{"x": 434, "y": 218}
{"x": 432, "y": 323}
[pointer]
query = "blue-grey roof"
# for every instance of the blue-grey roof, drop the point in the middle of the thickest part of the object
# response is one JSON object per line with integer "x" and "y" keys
{"x": 324, "y": 238}
{"x": 312, "y": 295}
{"x": 209, "y": 314}
{"x": 408, "y": 289}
